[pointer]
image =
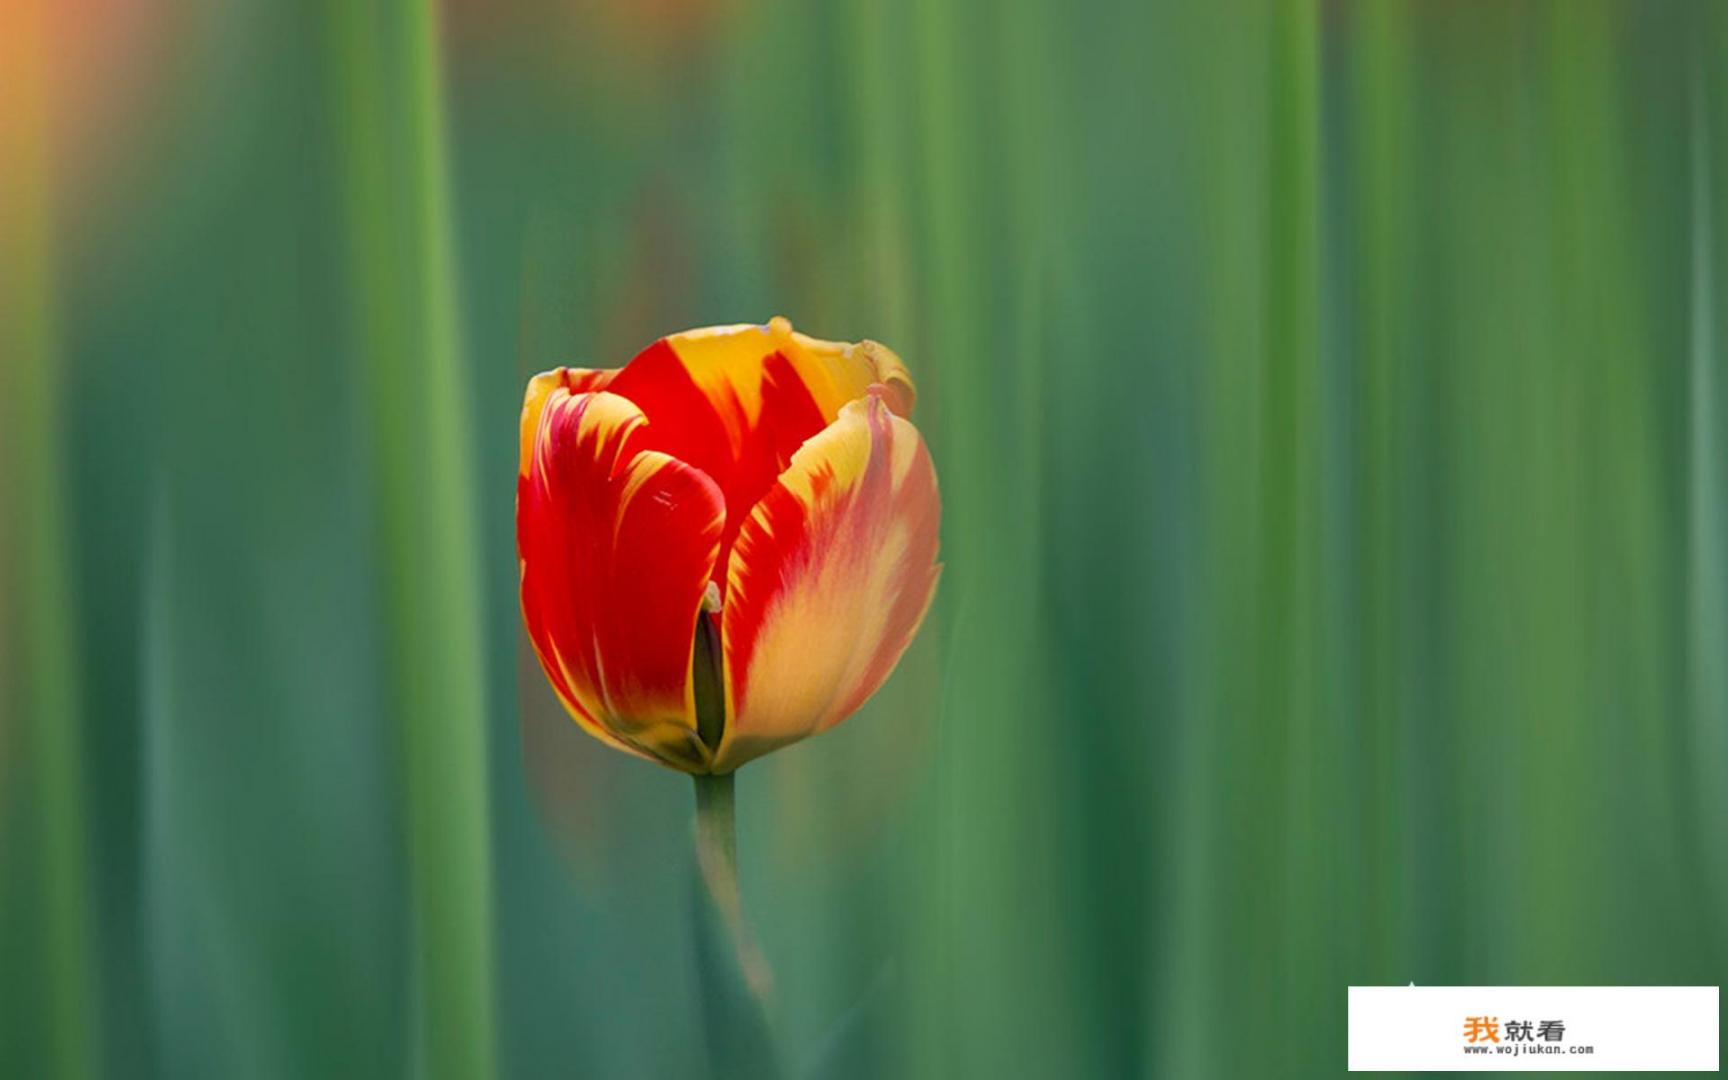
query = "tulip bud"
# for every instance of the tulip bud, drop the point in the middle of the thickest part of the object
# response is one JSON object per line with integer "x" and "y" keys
{"x": 750, "y": 482}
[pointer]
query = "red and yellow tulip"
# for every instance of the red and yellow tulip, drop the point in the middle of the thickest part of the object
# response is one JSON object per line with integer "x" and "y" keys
{"x": 727, "y": 543}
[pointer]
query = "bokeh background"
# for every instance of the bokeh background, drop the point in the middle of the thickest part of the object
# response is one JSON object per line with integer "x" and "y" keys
{"x": 1331, "y": 407}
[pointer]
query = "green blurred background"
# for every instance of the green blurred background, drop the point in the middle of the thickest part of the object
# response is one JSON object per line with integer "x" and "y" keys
{"x": 1331, "y": 408}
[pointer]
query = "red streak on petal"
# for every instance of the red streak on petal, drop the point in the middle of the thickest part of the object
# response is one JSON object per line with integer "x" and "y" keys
{"x": 717, "y": 434}
{"x": 617, "y": 545}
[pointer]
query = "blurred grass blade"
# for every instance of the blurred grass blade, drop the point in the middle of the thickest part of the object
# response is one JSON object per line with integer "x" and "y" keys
{"x": 1708, "y": 527}
{"x": 387, "y": 97}
{"x": 41, "y": 677}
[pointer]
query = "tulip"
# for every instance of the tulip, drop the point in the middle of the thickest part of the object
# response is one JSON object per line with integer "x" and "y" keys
{"x": 726, "y": 544}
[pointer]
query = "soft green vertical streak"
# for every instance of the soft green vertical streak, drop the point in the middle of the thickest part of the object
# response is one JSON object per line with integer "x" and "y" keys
{"x": 870, "y": 56}
{"x": 1381, "y": 125}
{"x": 1031, "y": 148}
{"x": 1707, "y": 520}
{"x": 37, "y": 632}
{"x": 1613, "y": 684}
{"x": 948, "y": 319}
{"x": 1240, "y": 750}
{"x": 1506, "y": 424}
{"x": 388, "y": 94}
{"x": 1290, "y": 547}
{"x": 994, "y": 1010}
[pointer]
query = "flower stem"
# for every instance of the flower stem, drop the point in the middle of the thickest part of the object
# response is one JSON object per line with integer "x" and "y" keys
{"x": 717, "y": 859}
{"x": 733, "y": 976}
{"x": 717, "y": 835}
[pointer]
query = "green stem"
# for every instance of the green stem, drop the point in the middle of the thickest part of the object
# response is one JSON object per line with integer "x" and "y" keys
{"x": 717, "y": 860}
{"x": 717, "y": 835}
{"x": 733, "y": 978}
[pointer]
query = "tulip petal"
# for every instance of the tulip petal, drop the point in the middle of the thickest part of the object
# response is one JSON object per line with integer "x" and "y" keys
{"x": 617, "y": 545}
{"x": 738, "y": 401}
{"x": 830, "y": 578}
{"x": 540, "y": 387}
